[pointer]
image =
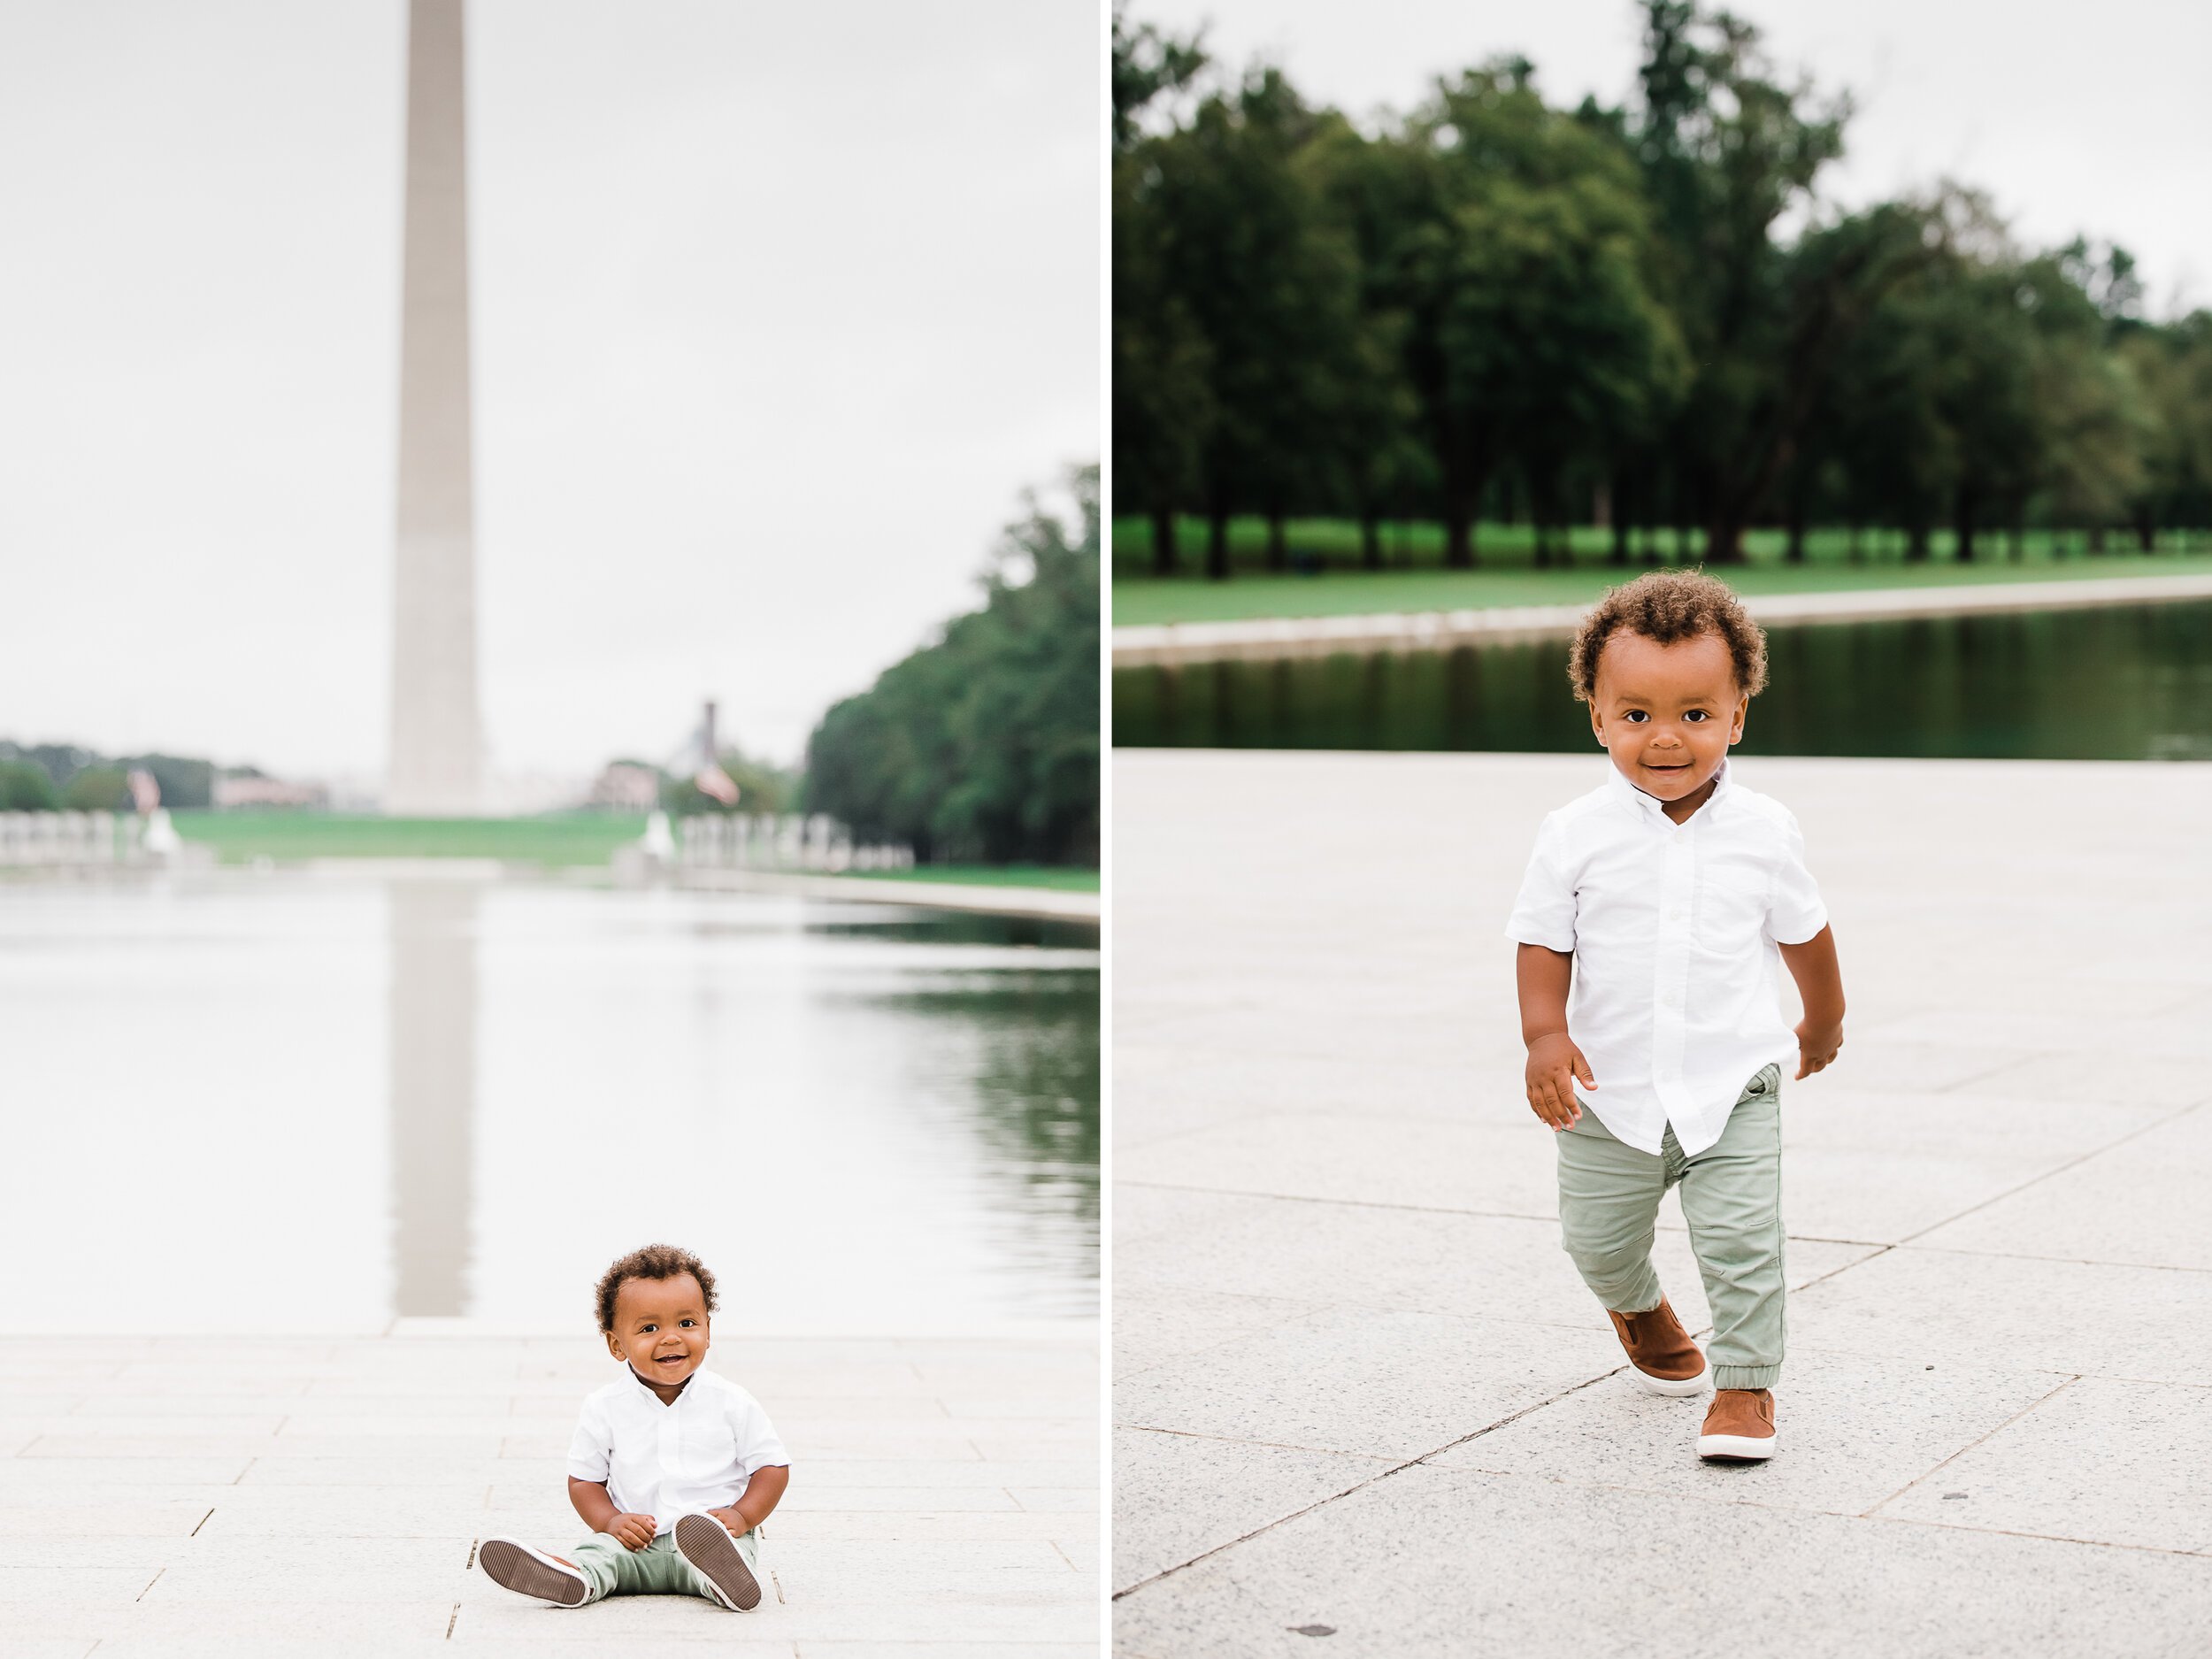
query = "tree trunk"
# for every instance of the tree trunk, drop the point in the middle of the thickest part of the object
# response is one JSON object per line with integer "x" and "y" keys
{"x": 1163, "y": 549}
{"x": 1916, "y": 541}
{"x": 2096, "y": 537}
{"x": 1278, "y": 544}
{"x": 1369, "y": 538}
{"x": 2146, "y": 530}
{"x": 1463, "y": 486}
{"x": 1459, "y": 542}
{"x": 1620, "y": 532}
{"x": 1855, "y": 549}
{"x": 1217, "y": 544}
{"x": 1794, "y": 551}
{"x": 1723, "y": 541}
{"x": 1964, "y": 527}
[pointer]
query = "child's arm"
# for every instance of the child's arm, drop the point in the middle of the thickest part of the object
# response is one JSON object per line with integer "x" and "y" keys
{"x": 1820, "y": 986}
{"x": 634, "y": 1531}
{"x": 763, "y": 1493}
{"x": 1553, "y": 1062}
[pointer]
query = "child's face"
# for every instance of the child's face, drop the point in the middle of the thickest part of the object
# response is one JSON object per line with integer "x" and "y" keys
{"x": 660, "y": 1326}
{"x": 1667, "y": 713}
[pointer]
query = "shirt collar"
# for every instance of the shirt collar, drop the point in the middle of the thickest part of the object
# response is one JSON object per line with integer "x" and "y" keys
{"x": 1648, "y": 806}
{"x": 646, "y": 1388}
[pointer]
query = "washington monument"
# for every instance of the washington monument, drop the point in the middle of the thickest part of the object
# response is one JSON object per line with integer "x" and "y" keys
{"x": 437, "y": 738}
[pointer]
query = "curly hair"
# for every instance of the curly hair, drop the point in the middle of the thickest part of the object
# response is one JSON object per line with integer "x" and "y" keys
{"x": 655, "y": 1261}
{"x": 1665, "y": 606}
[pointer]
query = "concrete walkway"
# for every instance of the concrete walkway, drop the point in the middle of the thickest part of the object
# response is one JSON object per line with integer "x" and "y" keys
{"x": 1174, "y": 642}
{"x": 235, "y": 1497}
{"x": 1363, "y": 1404}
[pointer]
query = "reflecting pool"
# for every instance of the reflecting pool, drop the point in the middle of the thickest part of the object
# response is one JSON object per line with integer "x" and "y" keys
{"x": 2125, "y": 682}
{"x": 315, "y": 1103}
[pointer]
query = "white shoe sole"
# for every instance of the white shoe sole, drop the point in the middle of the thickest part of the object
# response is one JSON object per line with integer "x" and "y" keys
{"x": 707, "y": 1544}
{"x": 516, "y": 1566}
{"x": 1740, "y": 1447}
{"x": 1674, "y": 1386}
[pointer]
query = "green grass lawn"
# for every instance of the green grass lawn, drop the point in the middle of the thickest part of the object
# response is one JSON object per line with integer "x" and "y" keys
{"x": 554, "y": 838}
{"x": 562, "y": 838}
{"x": 1064, "y": 881}
{"x": 1414, "y": 580}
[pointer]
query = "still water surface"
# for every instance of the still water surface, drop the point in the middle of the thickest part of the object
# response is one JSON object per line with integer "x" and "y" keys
{"x": 2130, "y": 682}
{"x": 312, "y": 1104}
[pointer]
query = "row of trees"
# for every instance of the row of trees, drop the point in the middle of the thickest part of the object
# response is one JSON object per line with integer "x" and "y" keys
{"x": 1639, "y": 315}
{"x": 47, "y": 777}
{"x": 985, "y": 745}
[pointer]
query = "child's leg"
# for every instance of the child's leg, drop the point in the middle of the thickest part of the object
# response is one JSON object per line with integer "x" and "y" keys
{"x": 725, "y": 1568}
{"x": 1732, "y": 1197}
{"x": 1608, "y": 1200}
{"x": 612, "y": 1568}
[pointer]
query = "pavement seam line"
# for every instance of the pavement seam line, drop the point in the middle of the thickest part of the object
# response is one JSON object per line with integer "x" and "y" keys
{"x": 203, "y": 1521}
{"x": 1483, "y": 1215}
{"x": 2076, "y": 1261}
{"x": 2158, "y": 1123}
{"x": 1241, "y": 1439}
{"x": 452, "y": 1621}
{"x": 1396, "y": 1468}
{"x": 2048, "y": 1538}
{"x": 1355, "y": 1203}
{"x": 1997, "y": 1070}
{"x": 1999, "y": 1429}
{"x": 151, "y": 1582}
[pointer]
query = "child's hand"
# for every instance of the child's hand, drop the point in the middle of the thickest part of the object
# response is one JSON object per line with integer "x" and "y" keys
{"x": 1816, "y": 1046}
{"x": 1553, "y": 1067}
{"x": 733, "y": 1522}
{"x": 633, "y": 1532}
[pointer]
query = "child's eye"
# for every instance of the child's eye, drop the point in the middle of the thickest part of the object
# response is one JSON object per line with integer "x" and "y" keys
{"x": 1635, "y": 716}
{"x": 687, "y": 1322}
{"x": 648, "y": 1327}
{"x": 1697, "y": 714}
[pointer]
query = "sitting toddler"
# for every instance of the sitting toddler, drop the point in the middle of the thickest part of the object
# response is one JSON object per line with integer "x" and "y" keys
{"x": 673, "y": 1468}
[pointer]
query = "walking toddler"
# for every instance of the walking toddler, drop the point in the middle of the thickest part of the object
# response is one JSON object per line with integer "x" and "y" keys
{"x": 1649, "y": 924}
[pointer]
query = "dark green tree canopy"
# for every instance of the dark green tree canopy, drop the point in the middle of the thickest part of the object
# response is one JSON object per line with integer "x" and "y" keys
{"x": 985, "y": 745}
{"x": 1486, "y": 307}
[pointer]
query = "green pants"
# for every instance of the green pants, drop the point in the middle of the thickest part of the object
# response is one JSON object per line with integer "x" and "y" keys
{"x": 611, "y": 1568}
{"x": 1732, "y": 1197}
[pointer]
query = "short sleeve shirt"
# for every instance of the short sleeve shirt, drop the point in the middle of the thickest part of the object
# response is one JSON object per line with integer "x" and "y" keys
{"x": 1674, "y": 928}
{"x": 667, "y": 1460}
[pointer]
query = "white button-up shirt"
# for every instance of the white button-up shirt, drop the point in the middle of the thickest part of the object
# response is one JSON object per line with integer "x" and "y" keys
{"x": 1676, "y": 1001}
{"x": 669, "y": 1461}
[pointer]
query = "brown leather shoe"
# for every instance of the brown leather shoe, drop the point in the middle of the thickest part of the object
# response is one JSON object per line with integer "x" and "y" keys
{"x": 1660, "y": 1351}
{"x": 1739, "y": 1427}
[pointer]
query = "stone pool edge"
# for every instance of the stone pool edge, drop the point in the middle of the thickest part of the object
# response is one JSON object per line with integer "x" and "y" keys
{"x": 1174, "y": 643}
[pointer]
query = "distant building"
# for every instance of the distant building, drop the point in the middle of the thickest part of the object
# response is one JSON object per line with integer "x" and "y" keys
{"x": 236, "y": 791}
{"x": 628, "y": 787}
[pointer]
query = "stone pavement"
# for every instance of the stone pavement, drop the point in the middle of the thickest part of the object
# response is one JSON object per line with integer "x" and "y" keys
{"x": 183, "y": 1496}
{"x": 1364, "y": 1406}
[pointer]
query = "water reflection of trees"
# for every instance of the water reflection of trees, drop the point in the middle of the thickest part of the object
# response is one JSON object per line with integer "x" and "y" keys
{"x": 2108, "y": 683}
{"x": 1036, "y": 1081}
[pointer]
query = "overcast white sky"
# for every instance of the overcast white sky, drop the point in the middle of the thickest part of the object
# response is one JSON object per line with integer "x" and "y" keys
{"x": 776, "y": 310}
{"x": 2077, "y": 118}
